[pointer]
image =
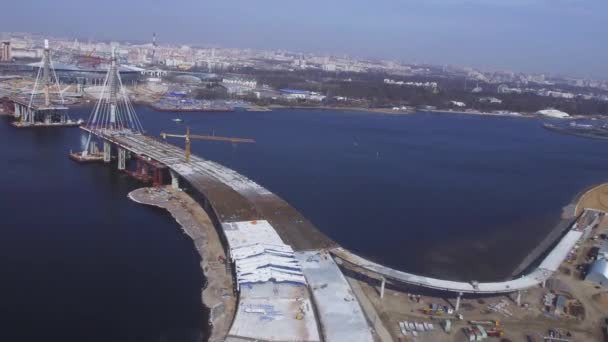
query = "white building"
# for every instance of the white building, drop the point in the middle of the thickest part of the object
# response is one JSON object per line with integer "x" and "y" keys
{"x": 5, "y": 51}
{"x": 553, "y": 113}
{"x": 458, "y": 104}
{"x": 491, "y": 100}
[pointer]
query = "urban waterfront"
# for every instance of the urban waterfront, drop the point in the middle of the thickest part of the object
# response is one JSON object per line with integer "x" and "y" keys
{"x": 456, "y": 196}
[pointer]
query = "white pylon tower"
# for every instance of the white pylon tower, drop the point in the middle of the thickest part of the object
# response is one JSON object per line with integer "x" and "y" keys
{"x": 52, "y": 105}
{"x": 113, "y": 113}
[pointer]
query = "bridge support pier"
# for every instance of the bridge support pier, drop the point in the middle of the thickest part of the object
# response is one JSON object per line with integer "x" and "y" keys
{"x": 17, "y": 110}
{"x": 382, "y": 285}
{"x": 518, "y": 299}
{"x": 107, "y": 152}
{"x": 457, "y": 307}
{"x": 174, "y": 180}
{"x": 122, "y": 159}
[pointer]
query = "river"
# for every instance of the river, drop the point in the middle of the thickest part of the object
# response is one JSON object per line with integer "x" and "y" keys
{"x": 456, "y": 196}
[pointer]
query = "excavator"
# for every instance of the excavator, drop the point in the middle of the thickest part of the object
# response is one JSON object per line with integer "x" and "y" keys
{"x": 189, "y": 137}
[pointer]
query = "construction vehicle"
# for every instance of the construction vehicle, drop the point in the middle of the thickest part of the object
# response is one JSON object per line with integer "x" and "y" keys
{"x": 495, "y": 332}
{"x": 488, "y": 322}
{"x": 189, "y": 137}
{"x": 428, "y": 311}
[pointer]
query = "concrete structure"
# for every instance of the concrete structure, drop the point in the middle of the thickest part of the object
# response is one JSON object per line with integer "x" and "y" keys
{"x": 274, "y": 302}
{"x": 546, "y": 268}
{"x": 5, "y": 52}
{"x": 295, "y": 94}
{"x": 340, "y": 314}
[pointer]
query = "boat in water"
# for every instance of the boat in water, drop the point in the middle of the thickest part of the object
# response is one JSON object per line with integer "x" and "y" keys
{"x": 177, "y": 120}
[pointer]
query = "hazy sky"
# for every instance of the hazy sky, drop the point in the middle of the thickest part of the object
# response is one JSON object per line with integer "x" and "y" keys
{"x": 568, "y": 36}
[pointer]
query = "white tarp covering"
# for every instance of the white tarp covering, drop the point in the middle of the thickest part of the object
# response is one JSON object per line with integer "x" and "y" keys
{"x": 259, "y": 254}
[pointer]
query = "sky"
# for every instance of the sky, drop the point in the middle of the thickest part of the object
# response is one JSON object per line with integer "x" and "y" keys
{"x": 556, "y": 36}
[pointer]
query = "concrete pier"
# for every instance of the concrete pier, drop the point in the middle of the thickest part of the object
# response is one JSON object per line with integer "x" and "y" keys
{"x": 457, "y": 306}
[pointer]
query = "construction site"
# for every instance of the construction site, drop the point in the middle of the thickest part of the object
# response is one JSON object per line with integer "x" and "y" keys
{"x": 273, "y": 276}
{"x": 43, "y": 104}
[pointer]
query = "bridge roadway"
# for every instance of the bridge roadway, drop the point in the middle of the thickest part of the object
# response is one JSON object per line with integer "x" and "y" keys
{"x": 539, "y": 275}
{"x": 232, "y": 196}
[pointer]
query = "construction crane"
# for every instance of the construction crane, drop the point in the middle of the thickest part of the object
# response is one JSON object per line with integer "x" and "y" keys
{"x": 189, "y": 136}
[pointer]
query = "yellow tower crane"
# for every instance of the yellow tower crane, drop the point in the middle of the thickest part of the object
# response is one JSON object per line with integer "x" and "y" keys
{"x": 189, "y": 136}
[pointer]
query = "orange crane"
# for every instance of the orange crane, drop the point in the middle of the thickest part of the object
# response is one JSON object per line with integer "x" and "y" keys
{"x": 189, "y": 136}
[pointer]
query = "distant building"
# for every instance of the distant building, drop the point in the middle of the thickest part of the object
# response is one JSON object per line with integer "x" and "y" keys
{"x": 239, "y": 87}
{"x": 5, "y": 52}
{"x": 504, "y": 89}
{"x": 329, "y": 67}
{"x": 553, "y": 113}
{"x": 25, "y": 53}
{"x": 458, "y": 104}
{"x": 430, "y": 85}
{"x": 295, "y": 94}
{"x": 491, "y": 100}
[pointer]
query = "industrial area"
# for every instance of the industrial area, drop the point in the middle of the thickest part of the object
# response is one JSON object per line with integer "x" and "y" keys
{"x": 183, "y": 78}
{"x": 273, "y": 276}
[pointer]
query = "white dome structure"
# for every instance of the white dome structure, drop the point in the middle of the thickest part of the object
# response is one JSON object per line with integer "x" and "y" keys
{"x": 553, "y": 113}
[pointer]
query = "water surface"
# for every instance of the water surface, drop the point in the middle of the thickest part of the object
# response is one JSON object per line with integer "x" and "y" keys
{"x": 456, "y": 196}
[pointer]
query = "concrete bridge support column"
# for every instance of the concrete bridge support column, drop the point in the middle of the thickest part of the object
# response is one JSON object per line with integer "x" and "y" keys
{"x": 518, "y": 299}
{"x": 382, "y": 287}
{"x": 17, "y": 110}
{"x": 122, "y": 159}
{"x": 107, "y": 152}
{"x": 174, "y": 180}
{"x": 457, "y": 307}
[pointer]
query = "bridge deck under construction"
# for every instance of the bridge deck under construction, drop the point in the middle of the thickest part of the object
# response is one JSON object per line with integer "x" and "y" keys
{"x": 232, "y": 196}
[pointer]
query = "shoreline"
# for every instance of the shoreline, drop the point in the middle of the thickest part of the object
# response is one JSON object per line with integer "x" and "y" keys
{"x": 217, "y": 292}
{"x": 342, "y": 109}
{"x": 273, "y": 107}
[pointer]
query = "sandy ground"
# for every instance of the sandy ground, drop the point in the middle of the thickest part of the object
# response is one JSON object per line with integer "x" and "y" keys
{"x": 217, "y": 294}
{"x": 596, "y": 198}
{"x": 528, "y": 320}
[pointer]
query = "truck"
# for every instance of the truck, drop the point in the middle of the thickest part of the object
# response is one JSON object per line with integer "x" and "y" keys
{"x": 492, "y": 323}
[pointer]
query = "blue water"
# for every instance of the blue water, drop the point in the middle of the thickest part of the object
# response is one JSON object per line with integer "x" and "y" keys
{"x": 457, "y": 196}
{"x": 79, "y": 261}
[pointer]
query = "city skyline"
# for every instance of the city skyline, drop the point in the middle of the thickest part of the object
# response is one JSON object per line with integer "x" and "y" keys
{"x": 559, "y": 37}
